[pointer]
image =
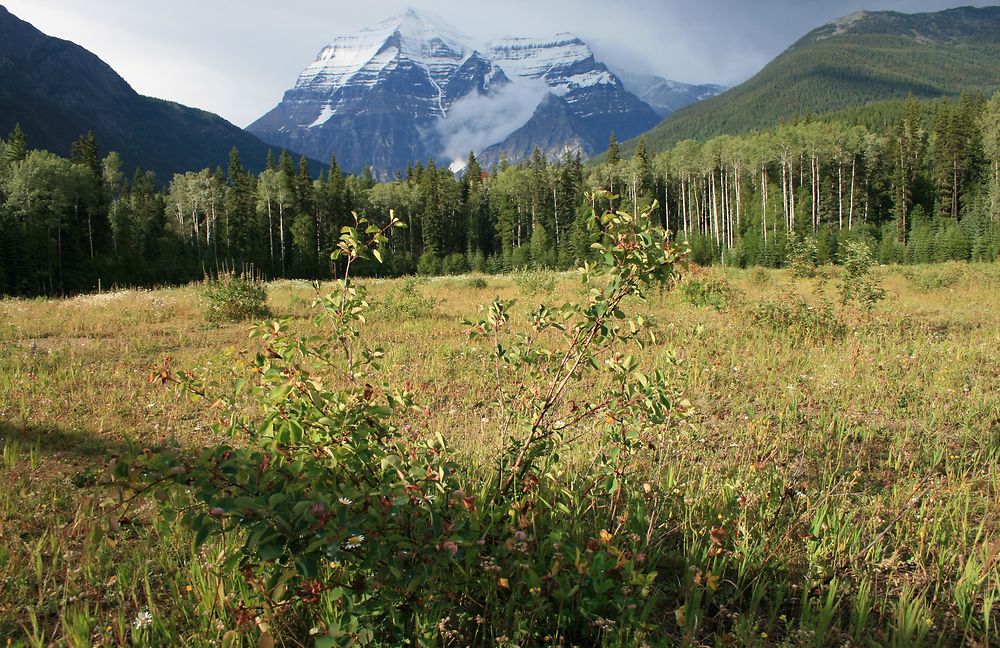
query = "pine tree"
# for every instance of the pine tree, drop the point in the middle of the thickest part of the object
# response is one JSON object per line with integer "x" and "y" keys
{"x": 305, "y": 203}
{"x": 243, "y": 234}
{"x": 614, "y": 156}
{"x": 17, "y": 146}
{"x": 84, "y": 151}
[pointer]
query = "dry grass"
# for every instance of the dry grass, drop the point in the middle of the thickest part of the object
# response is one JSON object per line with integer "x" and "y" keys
{"x": 867, "y": 460}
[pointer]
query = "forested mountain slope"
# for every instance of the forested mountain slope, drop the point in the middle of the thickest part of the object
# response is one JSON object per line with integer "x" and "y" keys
{"x": 862, "y": 58}
{"x": 58, "y": 90}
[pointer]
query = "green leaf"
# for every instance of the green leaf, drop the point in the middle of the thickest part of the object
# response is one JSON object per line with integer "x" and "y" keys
{"x": 270, "y": 552}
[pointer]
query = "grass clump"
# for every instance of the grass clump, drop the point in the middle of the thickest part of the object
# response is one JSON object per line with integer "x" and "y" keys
{"x": 233, "y": 297}
{"x": 797, "y": 318}
{"x": 927, "y": 279}
{"x": 532, "y": 283}
{"x": 758, "y": 276}
{"x": 407, "y": 301}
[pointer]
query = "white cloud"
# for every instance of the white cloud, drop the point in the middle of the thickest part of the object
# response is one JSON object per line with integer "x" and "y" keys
{"x": 476, "y": 122}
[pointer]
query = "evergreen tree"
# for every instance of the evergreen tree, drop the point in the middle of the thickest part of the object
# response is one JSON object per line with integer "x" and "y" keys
{"x": 84, "y": 151}
{"x": 17, "y": 146}
{"x": 614, "y": 155}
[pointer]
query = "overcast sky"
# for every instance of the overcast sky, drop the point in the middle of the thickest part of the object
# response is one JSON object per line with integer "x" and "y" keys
{"x": 237, "y": 57}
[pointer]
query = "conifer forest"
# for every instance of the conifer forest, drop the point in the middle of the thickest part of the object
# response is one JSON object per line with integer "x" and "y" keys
{"x": 918, "y": 180}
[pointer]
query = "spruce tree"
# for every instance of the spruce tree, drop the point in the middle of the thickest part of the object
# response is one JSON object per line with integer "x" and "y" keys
{"x": 84, "y": 151}
{"x": 614, "y": 156}
{"x": 17, "y": 145}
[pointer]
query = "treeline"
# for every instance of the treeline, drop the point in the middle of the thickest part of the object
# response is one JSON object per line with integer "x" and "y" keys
{"x": 922, "y": 187}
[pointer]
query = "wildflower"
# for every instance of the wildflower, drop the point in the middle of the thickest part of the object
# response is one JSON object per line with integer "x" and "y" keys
{"x": 217, "y": 511}
{"x": 318, "y": 509}
{"x": 504, "y": 583}
{"x": 354, "y": 541}
{"x": 450, "y": 547}
{"x": 345, "y": 501}
{"x": 143, "y": 620}
{"x": 188, "y": 588}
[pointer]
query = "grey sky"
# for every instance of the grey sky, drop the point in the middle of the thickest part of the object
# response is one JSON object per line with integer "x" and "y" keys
{"x": 237, "y": 57}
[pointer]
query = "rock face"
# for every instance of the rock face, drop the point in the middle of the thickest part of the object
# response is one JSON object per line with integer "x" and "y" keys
{"x": 412, "y": 88}
{"x": 58, "y": 90}
{"x": 666, "y": 96}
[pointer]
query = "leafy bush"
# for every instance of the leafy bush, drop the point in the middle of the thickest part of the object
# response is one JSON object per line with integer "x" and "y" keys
{"x": 802, "y": 255}
{"x": 758, "y": 276}
{"x": 235, "y": 297}
{"x": 429, "y": 264}
{"x": 935, "y": 278}
{"x": 406, "y": 301}
{"x": 708, "y": 290}
{"x": 860, "y": 286}
{"x": 535, "y": 282}
{"x": 798, "y": 319}
{"x": 476, "y": 283}
{"x": 348, "y": 521}
{"x": 454, "y": 264}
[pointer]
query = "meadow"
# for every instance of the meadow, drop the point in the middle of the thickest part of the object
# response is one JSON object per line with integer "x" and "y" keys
{"x": 835, "y": 479}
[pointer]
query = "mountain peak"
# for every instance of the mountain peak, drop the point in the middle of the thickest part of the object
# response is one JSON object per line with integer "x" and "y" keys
{"x": 950, "y": 25}
{"x": 413, "y": 18}
{"x": 418, "y": 87}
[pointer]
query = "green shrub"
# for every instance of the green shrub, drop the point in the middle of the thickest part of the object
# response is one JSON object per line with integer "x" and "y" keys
{"x": 758, "y": 276}
{"x": 535, "y": 282}
{"x": 478, "y": 262}
{"x": 429, "y": 264}
{"x": 454, "y": 264}
{"x": 356, "y": 530}
{"x": 798, "y": 319}
{"x": 860, "y": 286}
{"x": 235, "y": 297}
{"x": 476, "y": 283}
{"x": 708, "y": 290}
{"x": 940, "y": 277}
{"x": 802, "y": 255}
{"x": 406, "y": 301}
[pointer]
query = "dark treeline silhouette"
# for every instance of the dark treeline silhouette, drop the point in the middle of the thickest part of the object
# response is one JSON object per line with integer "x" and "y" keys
{"x": 921, "y": 186}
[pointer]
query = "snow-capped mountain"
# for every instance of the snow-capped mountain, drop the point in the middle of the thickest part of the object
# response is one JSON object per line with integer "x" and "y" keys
{"x": 413, "y": 88}
{"x": 665, "y": 96}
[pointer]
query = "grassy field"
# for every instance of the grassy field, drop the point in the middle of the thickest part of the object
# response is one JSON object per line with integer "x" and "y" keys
{"x": 852, "y": 459}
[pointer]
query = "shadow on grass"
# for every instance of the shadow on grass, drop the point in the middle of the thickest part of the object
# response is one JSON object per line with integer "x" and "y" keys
{"x": 50, "y": 440}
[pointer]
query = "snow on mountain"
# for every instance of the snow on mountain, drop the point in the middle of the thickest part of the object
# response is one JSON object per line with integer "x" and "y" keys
{"x": 413, "y": 87}
{"x": 666, "y": 96}
{"x": 362, "y": 61}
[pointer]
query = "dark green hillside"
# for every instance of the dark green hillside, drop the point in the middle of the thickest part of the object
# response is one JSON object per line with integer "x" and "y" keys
{"x": 57, "y": 90}
{"x": 866, "y": 57}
